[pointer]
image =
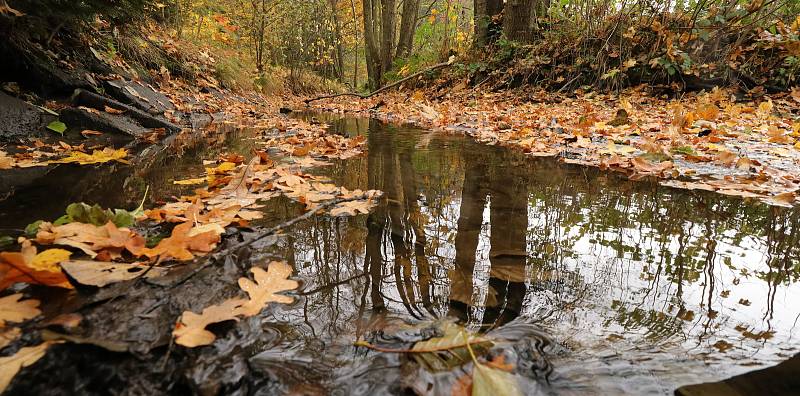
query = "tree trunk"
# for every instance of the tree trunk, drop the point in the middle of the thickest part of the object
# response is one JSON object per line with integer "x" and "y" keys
{"x": 517, "y": 21}
{"x": 484, "y": 11}
{"x": 337, "y": 26}
{"x": 371, "y": 53}
{"x": 387, "y": 34}
{"x": 408, "y": 24}
{"x": 355, "y": 27}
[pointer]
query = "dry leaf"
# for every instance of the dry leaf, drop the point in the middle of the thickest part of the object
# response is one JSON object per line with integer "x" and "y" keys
{"x": 8, "y": 335}
{"x": 111, "y": 110}
{"x": 14, "y": 310}
{"x": 97, "y": 157}
{"x": 99, "y": 273}
{"x": 266, "y": 286}
{"x": 182, "y": 245}
{"x": 16, "y": 267}
{"x": 190, "y": 331}
{"x": 352, "y": 208}
{"x": 10, "y": 365}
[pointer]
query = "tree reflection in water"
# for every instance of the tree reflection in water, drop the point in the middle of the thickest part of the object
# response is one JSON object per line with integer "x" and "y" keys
{"x": 489, "y": 237}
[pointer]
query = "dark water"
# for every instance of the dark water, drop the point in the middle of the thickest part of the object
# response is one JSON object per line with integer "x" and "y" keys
{"x": 639, "y": 287}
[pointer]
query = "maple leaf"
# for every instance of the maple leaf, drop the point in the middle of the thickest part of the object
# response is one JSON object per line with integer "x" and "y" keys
{"x": 190, "y": 331}
{"x": 14, "y": 310}
{"x": 10, "y": 365}
{"x": 266, "y": 286}
{"x": 17, "y": 267}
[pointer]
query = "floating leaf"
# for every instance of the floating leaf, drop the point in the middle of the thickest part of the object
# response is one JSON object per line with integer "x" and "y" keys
{"x": 190, "y": 331}
{"x": 488, "y": 380}
{"x": 266, "y": 286}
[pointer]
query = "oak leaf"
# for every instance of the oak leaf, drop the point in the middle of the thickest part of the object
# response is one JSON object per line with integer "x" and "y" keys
{"x": 10, "y": 365}
{"x": 190, "y": 331}
{"x": 100, "y": 273}
{"x": 14, "y": 310}
{"x": 266, "y": 287}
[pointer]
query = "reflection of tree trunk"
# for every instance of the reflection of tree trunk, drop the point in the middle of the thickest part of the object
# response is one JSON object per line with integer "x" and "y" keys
{"x": 508, "y": 254}
{"x": 376, "y": 221}
{"x": 473, "y": 200}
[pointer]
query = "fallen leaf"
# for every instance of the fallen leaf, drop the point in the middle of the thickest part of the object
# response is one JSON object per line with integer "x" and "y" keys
{"x": 88, "y": 132}
{"x": 48, "y": 260}
{"x": 15, "y": 268}
{"x": 8, "y": 335}
{"x": 111, "y": 110}
{"x": 100, "y": 273}
{"x": 10, "y": 365}
{"x": 189, "y": 182}
{"x": 266, "y": 287}
{"x": 14, "y": 310}
{"x": 352, "y": 208}
{"x": 491, "y": 381}
{"x": 190, "y": 331}
{"x": 183, "y": 246}
{"x": 97, "y": 157}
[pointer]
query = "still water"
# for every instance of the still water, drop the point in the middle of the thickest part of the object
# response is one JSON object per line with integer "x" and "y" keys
{"x": 644, "y": 288}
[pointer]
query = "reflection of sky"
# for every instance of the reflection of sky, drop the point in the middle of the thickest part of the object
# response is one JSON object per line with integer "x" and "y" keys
{"x": 601, "y": 278}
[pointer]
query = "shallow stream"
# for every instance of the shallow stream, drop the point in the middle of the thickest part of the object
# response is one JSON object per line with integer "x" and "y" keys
{"x": 640, "y": 288}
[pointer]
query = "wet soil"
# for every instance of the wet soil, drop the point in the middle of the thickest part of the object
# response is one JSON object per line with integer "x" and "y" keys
{"x": 636, "y": 288}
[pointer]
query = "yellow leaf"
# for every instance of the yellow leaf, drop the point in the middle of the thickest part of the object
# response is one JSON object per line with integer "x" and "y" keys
{"x": 97, "y": 157}
{"x": 224, "y": 167}
{"x": 10, "y": 365}
{"x": 14, "y": 310}
{"x": 48, "y": 260}
{"x": 189, "y": 182}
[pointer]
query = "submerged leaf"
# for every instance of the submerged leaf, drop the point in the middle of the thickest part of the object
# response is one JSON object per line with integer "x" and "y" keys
{"x": 487, "y": 380}
{"x": 99, "y": 273}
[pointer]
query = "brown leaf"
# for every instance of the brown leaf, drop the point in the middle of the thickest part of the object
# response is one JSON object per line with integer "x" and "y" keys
{"x": 266, "y": 286}
{"x": 190, "y": 331}
{"x": 111, "y": 110}
{"x": 99, "y": 273}
{"x": 89, "y": 238}
{"x": 18, "y": 267}
{"x": 14, "y": 310}
{"x": 10, "y": 365}
{"x": 182, "y": 245}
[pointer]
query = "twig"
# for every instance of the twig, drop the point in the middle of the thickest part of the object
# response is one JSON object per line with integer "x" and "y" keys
{"x": 272, "y": 231}
{"x": 379, "y": 90}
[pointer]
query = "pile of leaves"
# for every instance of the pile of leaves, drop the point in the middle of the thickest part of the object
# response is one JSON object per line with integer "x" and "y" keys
{"x": 743, "y": 146}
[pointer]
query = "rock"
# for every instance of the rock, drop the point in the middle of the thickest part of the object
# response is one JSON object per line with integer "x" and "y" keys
{"x": 780, "y": 380}
{"x": 86, "y": 98}
{"x": 285, "y": 110}
{"x": 21, "y": 119}
{"x": 83, "y": 118}
{"x": 140, "y": 95}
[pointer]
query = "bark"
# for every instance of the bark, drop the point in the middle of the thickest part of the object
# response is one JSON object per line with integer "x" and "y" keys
{"x": 484, "y": 11}
{"x": 408, "y": 24}
{"x": 337, "y": 26}
{"x": 518, "y": 20}
{"x": 373, "y": 60}
{"x": 388, "y": 28}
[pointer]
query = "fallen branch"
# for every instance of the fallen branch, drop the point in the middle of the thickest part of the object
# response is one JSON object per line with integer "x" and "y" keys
{"x": 379, "y": 90}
